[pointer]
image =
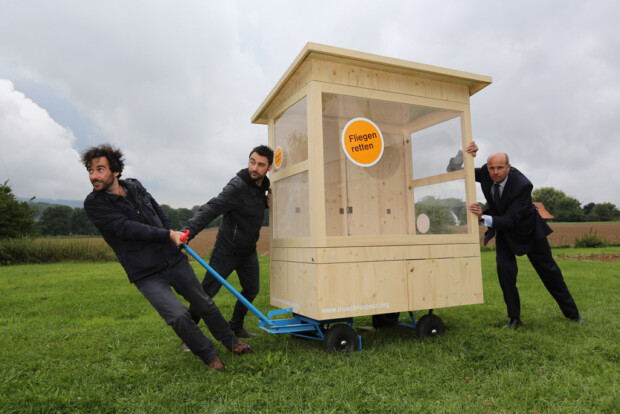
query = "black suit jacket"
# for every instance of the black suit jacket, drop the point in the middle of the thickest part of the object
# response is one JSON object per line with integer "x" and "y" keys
{"x": 516, "y": 217}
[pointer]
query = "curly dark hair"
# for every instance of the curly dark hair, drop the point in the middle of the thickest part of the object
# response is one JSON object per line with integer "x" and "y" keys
{"x": 113, "y": 154}
{"x": 264, "y": 151}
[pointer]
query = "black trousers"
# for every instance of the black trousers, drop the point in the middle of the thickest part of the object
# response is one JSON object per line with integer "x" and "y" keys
{"x": 248, "y": 271}
{"x": 157, "y": 289}
{"x": 547, "y": 269}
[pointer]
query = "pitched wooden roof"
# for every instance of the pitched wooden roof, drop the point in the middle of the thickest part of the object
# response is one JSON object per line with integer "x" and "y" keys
{"x": 473, "y": 81}
{"x": 543, "y": 211}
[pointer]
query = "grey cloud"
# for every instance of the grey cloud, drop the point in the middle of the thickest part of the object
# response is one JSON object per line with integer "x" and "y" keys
{"x": 175, "y": 84}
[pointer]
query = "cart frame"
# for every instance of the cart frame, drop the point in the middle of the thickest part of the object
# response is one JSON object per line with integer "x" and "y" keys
{"x": 337, "y": 334}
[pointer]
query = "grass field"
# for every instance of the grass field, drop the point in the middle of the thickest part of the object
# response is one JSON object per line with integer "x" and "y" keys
{"x": 78, "y": 338}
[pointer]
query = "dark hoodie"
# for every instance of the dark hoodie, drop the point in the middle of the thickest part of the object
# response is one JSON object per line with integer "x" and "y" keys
{"x": 243, "y": 205}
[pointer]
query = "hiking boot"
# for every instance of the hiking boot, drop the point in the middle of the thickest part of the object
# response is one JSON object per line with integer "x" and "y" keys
{"x": 215, "y": 364}
{"x": 241, "y": 349}
{"x": 243, "y": 333}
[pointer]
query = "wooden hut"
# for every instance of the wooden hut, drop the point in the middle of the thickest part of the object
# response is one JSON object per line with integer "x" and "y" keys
{"x": 370, "y": 185}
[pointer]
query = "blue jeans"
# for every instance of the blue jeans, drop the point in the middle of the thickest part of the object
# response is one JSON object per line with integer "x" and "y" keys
{"x": 248, "y": 271}
{"x": 156, "y": 289}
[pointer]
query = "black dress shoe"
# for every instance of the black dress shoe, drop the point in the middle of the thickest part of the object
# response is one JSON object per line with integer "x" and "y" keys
{"x": 243, "y": 333}
{"x": 514, "y": 323}
{"x": 579, "y": 319}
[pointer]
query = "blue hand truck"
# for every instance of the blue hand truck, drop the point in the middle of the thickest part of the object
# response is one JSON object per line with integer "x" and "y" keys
{"x": 337, "y": 335}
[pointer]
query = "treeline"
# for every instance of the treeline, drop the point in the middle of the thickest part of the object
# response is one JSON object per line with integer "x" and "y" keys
{"x": 445, "y": 213}
{"x": 58, "y": 220}
{"x": 31, "y": 219}
{"x": 565, "y": 208}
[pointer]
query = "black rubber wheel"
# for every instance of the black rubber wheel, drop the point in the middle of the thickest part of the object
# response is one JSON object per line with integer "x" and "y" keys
{"x": 429, "y": 325}
{"x": 385, "y": 320}
{"x": 341, "y": 338}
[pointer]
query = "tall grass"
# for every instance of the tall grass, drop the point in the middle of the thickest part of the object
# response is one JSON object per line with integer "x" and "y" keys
{"x": 78, "y": 338}
{"x": 26, "y": 250}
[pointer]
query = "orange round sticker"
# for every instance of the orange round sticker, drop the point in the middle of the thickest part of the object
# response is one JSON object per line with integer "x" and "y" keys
{"x": 278, "y": 157}
{"x": 362, "y": 141}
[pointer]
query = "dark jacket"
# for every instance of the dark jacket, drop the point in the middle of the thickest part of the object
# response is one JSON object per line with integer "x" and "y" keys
{"x": 516, "y": 218}
{"x": 243, "y": 205}
{"x": 135, "y": 227}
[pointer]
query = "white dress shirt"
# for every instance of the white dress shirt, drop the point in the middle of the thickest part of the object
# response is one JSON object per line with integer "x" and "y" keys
{"x": 488, "y": 220}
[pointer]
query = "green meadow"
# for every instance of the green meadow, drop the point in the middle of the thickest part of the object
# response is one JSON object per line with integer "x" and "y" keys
{"x": 78, "y": 338}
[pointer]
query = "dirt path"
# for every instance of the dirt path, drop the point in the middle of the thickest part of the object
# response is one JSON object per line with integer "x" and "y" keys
{"x": 610, "y": 257}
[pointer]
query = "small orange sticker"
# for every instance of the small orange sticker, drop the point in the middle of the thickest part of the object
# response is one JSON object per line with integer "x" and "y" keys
{"x": 278, "y": 157}
{"x": 362, "y": 141}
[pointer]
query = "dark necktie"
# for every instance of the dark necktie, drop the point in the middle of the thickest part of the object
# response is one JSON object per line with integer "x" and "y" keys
{"x": 496, "y": 195}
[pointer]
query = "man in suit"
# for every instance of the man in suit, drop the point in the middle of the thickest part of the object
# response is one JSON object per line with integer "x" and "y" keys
{"x": 518, "y": 229}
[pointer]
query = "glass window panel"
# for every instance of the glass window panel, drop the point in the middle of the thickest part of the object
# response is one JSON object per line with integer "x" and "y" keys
{"x": 364, "y": 200}
{"x": 292, "y": 208}
{"x": 335, "y": 180}
{"x": 376, "y": 200}
{"x": 291, "y": 134}
{"x": 438, "y": 149}
{"x": 441, "y": 208}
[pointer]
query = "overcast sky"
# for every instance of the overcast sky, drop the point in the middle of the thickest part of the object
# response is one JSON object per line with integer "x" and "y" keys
{"x": 174, "y": 84}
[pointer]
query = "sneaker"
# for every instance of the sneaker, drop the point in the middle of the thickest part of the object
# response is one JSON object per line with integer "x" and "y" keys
{"x": 243, "y": 333}
{"x": 185, "y": 347}
{"x": 215, "y": 364}
{"x": 241, "y": 349}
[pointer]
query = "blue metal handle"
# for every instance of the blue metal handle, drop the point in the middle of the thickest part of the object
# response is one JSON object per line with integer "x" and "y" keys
{"x": 228, "y": 286}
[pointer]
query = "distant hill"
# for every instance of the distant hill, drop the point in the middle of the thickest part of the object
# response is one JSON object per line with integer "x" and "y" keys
{"x": 70, "y": 203}
{"x": 42, "y": 203}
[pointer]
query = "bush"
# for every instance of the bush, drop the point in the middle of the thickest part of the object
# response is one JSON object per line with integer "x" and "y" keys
{"x": 28, "y": 250}
{"x": 590, "y": 240}
{"x": 17, "y": 218}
